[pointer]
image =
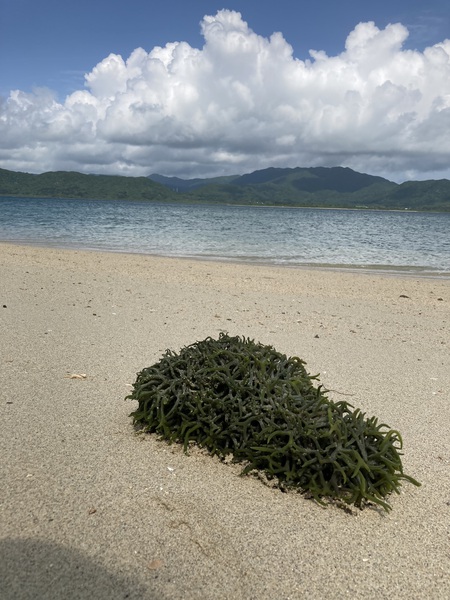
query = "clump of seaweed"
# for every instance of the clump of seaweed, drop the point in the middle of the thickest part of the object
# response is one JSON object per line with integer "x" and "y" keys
{"x": 235, "y": 396}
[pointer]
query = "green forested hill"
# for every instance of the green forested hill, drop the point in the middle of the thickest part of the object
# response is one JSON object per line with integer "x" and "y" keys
{"x": 335, "y": 187}
{"x": 324, "y": 187}
{"x": 63, "y": 184}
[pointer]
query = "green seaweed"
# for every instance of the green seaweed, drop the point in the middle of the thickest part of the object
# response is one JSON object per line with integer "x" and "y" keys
{"x": 235, "y": 396}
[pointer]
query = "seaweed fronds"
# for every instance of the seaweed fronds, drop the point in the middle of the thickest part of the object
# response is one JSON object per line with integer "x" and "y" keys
{"x": 235, "y": 396}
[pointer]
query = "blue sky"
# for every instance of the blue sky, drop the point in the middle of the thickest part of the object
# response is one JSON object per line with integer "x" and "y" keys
{"x": 52, "y": 43}
{"x": 371, "y": 97}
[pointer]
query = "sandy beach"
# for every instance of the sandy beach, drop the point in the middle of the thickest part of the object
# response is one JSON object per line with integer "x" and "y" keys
{"x": 90, "y": 509}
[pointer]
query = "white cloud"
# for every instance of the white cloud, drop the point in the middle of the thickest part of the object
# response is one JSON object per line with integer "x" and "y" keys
{"x": 240, "y": 103}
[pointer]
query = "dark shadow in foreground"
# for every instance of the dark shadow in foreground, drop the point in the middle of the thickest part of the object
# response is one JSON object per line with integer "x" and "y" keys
{"x": 32, "y": 569}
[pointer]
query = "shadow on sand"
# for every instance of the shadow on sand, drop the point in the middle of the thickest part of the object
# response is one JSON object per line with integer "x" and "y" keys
{"x": 32, "y": 569}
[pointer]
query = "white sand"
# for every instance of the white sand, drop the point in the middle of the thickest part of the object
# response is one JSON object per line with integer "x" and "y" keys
{"x": 90, "y": 510}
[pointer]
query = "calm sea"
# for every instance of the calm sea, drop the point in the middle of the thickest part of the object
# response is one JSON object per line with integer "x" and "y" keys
{"x": 405, "y": 242}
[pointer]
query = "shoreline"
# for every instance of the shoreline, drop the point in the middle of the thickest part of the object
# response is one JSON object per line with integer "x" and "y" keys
{"x": 383, "y": 270}
{"x": 92, "y": 507}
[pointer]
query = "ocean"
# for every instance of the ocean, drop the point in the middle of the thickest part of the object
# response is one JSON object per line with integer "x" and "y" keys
{"x": 397, "y": 242}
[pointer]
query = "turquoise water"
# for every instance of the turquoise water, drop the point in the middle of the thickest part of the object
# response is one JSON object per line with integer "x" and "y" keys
{"x": 382, "y": 240}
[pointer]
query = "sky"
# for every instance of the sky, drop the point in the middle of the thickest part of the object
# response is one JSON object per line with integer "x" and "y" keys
{"x": 200, "y": 89}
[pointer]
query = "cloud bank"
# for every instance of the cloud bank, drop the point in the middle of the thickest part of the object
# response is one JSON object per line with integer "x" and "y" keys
{"x": 243, "y": 102}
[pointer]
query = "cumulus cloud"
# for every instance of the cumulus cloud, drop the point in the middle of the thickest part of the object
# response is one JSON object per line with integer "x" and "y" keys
{"x": 243, "y": 102}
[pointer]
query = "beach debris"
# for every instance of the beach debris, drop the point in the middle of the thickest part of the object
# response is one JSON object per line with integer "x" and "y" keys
{"x": 75, "y": 376}
{"x": 403, "y": 296}
{"x": 236, "y": 397}
{"x": 92, "y": 511}
{"x": 155, "y": 564}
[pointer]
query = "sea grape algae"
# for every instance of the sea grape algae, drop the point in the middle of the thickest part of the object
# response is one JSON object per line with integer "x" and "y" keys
{"x": 235, "y": 396}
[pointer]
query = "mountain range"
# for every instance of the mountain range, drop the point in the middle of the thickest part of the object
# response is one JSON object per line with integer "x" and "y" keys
{"x": 325, "y": 187}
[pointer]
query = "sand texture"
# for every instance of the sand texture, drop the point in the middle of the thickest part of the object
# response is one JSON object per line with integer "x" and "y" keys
{"x": 89, "y": 509}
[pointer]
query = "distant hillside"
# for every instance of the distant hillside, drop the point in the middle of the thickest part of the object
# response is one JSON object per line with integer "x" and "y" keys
{"x": 337, "y": 179}
{"x": 335, "y": 187}
{"x": 68, "y": 184}
{"x": 184, "y": 185}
